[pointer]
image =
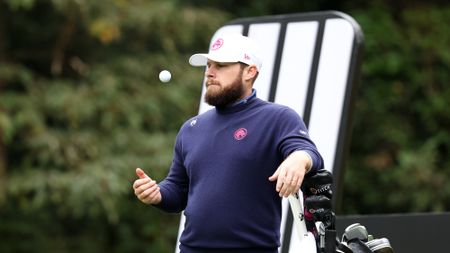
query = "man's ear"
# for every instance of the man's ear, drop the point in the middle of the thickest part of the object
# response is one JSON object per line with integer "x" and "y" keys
{"x": 250, "y": 72}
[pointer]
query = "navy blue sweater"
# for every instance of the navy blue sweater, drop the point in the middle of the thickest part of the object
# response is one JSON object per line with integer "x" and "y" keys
{"x": 219, "y": 175}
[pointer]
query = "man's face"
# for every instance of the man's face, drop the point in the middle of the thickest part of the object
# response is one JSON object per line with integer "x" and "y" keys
{"x": 224, "y": 84}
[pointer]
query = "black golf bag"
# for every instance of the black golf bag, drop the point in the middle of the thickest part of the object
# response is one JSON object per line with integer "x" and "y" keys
{"x": 320, "y": 220}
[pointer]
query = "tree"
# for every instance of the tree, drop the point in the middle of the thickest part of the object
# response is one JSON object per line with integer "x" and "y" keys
{"x": 81, "y": 108}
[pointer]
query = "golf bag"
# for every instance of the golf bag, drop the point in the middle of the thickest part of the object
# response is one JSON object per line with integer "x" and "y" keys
{"x": 318, "y": 210}
{"x": 319, "y": 219}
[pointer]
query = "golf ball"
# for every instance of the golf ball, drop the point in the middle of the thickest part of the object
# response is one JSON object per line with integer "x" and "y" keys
{"x": 165, "y": 76}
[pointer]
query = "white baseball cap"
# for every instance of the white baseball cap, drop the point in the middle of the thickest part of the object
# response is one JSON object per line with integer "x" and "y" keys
{"x": 231, "y": 47}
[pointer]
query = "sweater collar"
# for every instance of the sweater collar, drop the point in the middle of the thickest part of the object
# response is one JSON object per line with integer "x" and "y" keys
{"x": 239, "y": 105}
{"x": 246, "y": 99}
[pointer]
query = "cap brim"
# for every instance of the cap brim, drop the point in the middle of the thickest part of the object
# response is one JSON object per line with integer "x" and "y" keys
{"x": 202, "y": 59}
{"x": 198, "y": 60}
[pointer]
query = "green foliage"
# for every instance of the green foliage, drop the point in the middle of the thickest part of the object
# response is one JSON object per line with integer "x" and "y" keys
{"x": 399, "y": 156}
{"x": 81, "y": 107}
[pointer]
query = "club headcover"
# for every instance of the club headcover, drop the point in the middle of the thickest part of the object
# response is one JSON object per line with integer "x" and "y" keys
{"x": 318, "y": 183}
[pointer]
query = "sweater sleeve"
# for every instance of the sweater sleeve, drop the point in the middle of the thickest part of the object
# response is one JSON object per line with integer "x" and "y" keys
{"x": 174, "y": 188}
{"x": 293, "y": 135}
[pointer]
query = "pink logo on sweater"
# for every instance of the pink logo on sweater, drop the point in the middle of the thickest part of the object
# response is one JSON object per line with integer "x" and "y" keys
{"x": 240, "y": 133}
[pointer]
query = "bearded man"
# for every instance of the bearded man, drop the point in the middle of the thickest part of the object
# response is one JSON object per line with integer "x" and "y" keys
{"x": 233, "y": 164}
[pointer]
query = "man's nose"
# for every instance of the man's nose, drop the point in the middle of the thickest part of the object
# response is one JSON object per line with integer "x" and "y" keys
{"x": 209, "y": 72}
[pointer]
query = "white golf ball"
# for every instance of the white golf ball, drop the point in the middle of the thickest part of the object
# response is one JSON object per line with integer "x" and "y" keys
{"x": 165, "y": 76}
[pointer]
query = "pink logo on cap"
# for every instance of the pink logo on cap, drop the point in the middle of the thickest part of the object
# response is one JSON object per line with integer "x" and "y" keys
{"x": 217, "y": 44}
{"x": 240, "y": 133}
{"x": 246, "y": 56}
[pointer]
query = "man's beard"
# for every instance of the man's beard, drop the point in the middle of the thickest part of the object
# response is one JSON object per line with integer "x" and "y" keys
{"x": 225, "y": 96}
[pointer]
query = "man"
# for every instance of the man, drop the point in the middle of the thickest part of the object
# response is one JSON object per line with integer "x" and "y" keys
{"x": 232, "y": 164}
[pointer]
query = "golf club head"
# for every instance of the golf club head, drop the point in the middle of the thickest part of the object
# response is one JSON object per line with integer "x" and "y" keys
{"x": 320, "y": 228}
{"x": 381, "y": 245}
{"x": 355, "y": 231}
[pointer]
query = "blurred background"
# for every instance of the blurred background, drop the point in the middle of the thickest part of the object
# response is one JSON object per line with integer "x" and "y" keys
{"x": 81, "y": 107}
